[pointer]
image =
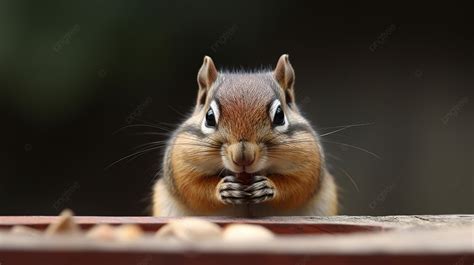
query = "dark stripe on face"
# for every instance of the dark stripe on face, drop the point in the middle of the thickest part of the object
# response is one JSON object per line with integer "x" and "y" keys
{"x": 190, "y": 129}
{"x": 298, "y": 127}
{"x": 292, "y": 129}
{"x": 276, "y": 89}
{"x": 216, "y": 89}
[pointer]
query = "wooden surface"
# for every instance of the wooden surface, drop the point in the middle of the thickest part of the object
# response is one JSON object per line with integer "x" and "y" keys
{"x": 444, "y": 239}
{"x": 280, "y": 225}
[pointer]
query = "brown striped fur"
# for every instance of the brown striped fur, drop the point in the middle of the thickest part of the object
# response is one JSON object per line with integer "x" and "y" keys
{"x": 292, "y": 161}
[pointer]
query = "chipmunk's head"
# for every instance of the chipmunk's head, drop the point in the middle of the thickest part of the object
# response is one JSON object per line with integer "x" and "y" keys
{"x": 248, "y": 122}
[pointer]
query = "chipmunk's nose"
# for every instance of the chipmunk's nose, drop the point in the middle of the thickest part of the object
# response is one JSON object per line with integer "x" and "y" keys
{"x": 242, "y": 153}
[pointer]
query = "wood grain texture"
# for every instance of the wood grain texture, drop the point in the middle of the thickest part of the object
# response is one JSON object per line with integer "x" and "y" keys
{"x": 444, "y": 239}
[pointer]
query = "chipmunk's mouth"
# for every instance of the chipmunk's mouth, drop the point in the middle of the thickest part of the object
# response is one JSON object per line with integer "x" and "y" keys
{"x": 252, "y": 168}
{"x": 232, "y": 168}
{"x": 223, "y": 172}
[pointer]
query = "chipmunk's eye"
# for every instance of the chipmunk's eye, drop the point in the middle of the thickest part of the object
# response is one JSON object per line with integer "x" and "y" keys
{"x": 210, "y": 118}
{"x": 278, "y": 117}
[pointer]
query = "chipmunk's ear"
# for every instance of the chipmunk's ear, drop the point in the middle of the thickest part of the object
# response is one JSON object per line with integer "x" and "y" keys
{"x": 207, "y": 75}
{"x": 285, "y": 76}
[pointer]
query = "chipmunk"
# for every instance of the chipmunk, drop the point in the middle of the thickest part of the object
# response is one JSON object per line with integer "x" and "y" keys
{"x": 245, "y": 151}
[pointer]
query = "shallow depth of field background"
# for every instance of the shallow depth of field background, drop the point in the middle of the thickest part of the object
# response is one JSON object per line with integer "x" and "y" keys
{"x": 72, "y": 74}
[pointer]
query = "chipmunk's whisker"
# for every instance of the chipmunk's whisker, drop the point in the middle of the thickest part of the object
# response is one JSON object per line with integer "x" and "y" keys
{"x": 221, "y": 171}
{"x": 160, "y": 144}
{"x": 154, "y": 133}
{"x": 159, "y": 124}
{"x": 355, "y": 147}
{"x": 163, "y": 126}
{"x": 209, "y": 152}
{"x": 141, "y": 125}
{"x": 156, "y": 143}
{"x": 286, "y": 149}
{"x": 349, "y": 176}
{"x": 348, "y": 126}
{"x": 178, "y": 112}
{"x": 137, "y": 154}
{"x": 333, "y": 156}
{"x": 344, "y": 128}
{"x": 208, "y": 142}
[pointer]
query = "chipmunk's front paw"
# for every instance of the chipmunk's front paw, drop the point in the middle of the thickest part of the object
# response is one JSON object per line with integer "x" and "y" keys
{"x": 260, "y": 190}
{"x": 231, "y": 191}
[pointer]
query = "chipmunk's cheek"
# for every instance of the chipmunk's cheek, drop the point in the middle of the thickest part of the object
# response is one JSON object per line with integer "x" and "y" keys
{"x": 276, "y": 162}
{"x": 208, "y": 165}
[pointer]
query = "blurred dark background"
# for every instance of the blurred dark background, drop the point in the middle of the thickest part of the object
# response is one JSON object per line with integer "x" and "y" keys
{"x": 74, "y": 73}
